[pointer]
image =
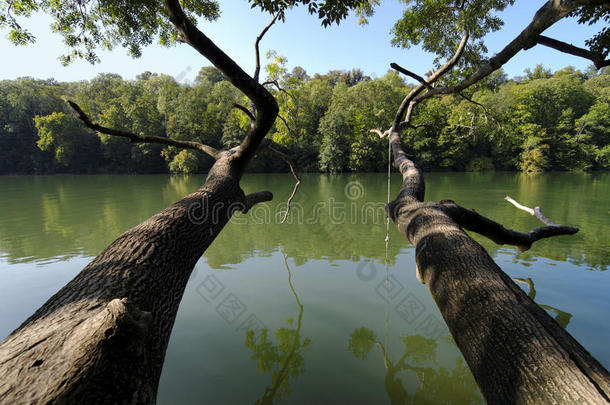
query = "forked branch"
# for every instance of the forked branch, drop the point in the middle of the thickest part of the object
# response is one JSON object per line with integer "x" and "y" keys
{"x": 473, "y": 221}
{"x": 379, "y": 133}
{"x": 144, "y": 138}
{"x": 413, "y": 186}
{"x": 547, "y": 15}
{"x": 409, "y": 102}
{"x": 264, "y": 103}
{"x": 551, "y": 12}
{"x": 535, "y": 212}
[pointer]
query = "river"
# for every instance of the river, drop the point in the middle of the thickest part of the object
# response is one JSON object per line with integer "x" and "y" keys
{"x": 314, "y": 310}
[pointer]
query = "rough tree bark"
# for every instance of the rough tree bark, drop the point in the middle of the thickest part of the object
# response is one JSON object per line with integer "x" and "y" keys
{"x": 102, "y": 338}
{"x": 516, "y": 351}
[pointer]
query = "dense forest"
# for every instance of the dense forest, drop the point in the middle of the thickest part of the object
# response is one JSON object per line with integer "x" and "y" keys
{"x": 540, "y": 121}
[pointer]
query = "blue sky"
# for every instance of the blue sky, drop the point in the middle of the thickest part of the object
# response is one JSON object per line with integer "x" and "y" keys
{"x": 301, "y": 39}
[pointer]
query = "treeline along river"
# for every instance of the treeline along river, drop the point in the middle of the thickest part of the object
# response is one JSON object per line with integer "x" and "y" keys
{"x": 538, "y": 122}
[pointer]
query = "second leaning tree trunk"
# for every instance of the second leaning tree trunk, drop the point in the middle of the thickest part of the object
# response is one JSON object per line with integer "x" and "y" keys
{"x": 516, "y": 351}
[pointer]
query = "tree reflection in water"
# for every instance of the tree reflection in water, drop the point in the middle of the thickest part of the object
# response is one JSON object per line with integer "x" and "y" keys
{"x": 283, "y": 359}
{"x": 561, "y": 317}
{"x": 437, "y": 385}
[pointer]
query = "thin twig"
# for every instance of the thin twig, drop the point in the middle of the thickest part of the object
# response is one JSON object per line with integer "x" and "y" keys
{"x": 485, "y": 109}
{"x": 287, "y": 126}
{"x": 280, "y": 88}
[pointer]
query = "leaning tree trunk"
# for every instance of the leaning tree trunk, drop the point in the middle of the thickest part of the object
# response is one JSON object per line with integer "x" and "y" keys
{"x": 102, "y": 337}
{"x": 516, "y": 351}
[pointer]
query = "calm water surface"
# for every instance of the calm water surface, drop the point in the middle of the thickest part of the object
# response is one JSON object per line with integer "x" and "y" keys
{"x": 315, "y": 310}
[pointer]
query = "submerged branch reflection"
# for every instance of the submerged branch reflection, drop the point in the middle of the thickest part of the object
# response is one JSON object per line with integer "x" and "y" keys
{"x": 437, "y": 385}
{"x": 283, "y": 359}
{"x": 561, "y": 317}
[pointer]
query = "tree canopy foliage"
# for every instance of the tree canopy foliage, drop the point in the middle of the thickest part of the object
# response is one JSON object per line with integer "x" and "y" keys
{"x": 89, "y": 25}
{"x": 439, "y": 25}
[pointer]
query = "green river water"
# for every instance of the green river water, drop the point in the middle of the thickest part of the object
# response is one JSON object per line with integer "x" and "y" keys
{"x": 315, "y": 310}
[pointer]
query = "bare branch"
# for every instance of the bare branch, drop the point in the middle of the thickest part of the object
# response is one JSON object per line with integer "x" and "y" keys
{"x": 408, "y": 104}
{"x": 521, "y": 207}
{"x": 144, "y": 138}
{"x": 245, "y": 111}
{"x": 406, "y": 72}
{"x": 379, "y": 133}
{"x": 473, "y": 221}
{"x": 535, "y": 212}
{"x": 255, "y": 198}
{"x": 260, "y": 36}
{"x": 596, "y": 58}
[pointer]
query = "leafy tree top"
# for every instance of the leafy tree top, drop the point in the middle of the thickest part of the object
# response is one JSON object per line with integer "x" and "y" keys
{"x": 89, "y": 25}
{"x": 439, "y": 25}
